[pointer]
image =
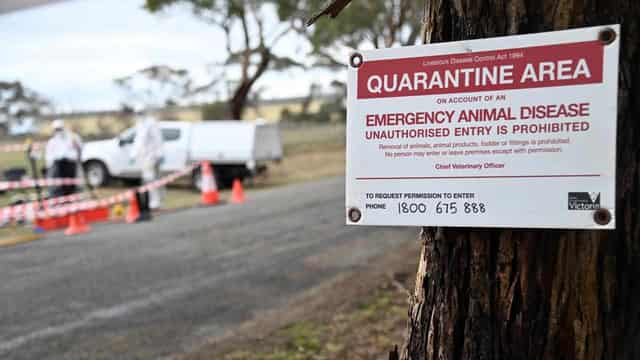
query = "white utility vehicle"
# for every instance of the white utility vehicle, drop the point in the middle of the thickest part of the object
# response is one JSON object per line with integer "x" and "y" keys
{"x": 236, "y": 150}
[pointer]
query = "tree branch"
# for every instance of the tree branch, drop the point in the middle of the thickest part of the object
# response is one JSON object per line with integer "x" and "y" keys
{"x": 332, "y": 9}
{"x": 278, "y": 37}
{"x": 247, "y": 46}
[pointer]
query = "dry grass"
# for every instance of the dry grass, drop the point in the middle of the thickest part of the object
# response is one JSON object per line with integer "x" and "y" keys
{"x": 366, "y": 330}
{"x": 311, "y": 152}
{"x": 14, "y": 159}
{"x": 312, "y": 138}
{"x": 303, "y": 167}
{"x": 17, "y": 234}
{"x": 176, "y": 196}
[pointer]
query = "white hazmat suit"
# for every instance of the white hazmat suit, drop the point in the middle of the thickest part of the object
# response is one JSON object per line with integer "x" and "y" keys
{"x": 62, "y": 155}
{"x": 63, "y": 145}
{"x": 147, "y": 151}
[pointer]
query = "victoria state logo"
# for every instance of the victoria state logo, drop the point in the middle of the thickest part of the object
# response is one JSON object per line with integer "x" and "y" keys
{"x": 584, "y": 200}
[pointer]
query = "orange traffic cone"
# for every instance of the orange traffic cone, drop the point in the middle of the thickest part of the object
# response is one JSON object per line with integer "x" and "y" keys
{"x": 210, "y": 195}
{"x": 133, "y": 213}
{"x": 76, "y": 225}
{"x": 237, "y": 194}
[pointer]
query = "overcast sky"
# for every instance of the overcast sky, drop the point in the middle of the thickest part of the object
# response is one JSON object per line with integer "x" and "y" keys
{"x": 72, "y": 51}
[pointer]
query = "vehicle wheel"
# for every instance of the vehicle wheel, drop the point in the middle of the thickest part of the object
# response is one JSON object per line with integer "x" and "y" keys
{"x": 97, "y": 173}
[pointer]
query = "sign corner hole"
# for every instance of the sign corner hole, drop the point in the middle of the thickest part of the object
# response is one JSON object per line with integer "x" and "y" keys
{"x": 602, "y": 217}
{"x": 607, "y": 36}
{"x": 354, "y": 215}
{"x": 356, "y": 60}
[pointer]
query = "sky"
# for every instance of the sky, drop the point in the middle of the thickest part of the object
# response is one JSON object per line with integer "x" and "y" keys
{"x": 72, "y": 51}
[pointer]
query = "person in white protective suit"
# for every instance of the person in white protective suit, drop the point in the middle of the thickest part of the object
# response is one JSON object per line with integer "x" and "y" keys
{"x": 61, "y": 157}
{"x": 147, "y": 152}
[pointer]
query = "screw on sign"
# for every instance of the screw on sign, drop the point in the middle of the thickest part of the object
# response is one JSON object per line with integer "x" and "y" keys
{"x": 602, "y": 217}
{"x": 356, "y": 60}
{"x": 355, "y": 215}
{"x": 607, "y": 36}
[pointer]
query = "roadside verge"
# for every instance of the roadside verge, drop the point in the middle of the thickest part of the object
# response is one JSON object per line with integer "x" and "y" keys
{"x": 359, "y": 314}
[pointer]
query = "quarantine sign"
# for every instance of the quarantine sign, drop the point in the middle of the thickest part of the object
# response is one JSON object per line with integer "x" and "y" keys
{"x": 516, "y": 131}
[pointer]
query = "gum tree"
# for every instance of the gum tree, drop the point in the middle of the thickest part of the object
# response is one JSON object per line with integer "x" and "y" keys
{"x": 534, "y": 294}
{"x": 19, "y": 103}
{"x": 254, "y": 54}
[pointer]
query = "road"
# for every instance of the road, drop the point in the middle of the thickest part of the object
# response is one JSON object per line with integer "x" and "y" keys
{"x": 154, "y": 289}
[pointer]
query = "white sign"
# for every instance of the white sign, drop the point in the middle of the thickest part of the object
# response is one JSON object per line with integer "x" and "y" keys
{"x": 516, "y": 131}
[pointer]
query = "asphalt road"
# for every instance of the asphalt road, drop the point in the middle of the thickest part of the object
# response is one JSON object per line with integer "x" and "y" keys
{"x": 150, "y": 290}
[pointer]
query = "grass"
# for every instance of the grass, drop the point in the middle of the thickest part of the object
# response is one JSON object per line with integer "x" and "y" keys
{"x": 17, "y": 234}
{"x": 300, "y": 167}
{"x": 176, "y": 196}
{"x": 370, "y": 326}
{"x": 303, "y": 340}
{"x": 310, "y": 152}
{"x": 298, "y": 139}
{"x": 14, "y": 159}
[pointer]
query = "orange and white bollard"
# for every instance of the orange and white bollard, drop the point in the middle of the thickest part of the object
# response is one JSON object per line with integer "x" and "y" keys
{"x": 210, "y": 195}
{"x": 133, "y": 213}
{"x": 237, "y": 193}
{"x": 76, "y": 225}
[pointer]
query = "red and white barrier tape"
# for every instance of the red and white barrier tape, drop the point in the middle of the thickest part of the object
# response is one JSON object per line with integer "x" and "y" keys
{"x": 167, "y": 179}
{"x": 114, "y": 199}
{"x": 30, "y": 183}
{"x": 29, "y": 211}
{"x": 20, "y": 147}
{"x": 17, "y": 212}
{"x": 64, "y": 199}
{"x": 22, "y": 211}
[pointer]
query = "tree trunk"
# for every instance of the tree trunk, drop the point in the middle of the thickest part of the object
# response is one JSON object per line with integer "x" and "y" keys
{"x": 536, "y": 294}
{"x": 238, "y": 102}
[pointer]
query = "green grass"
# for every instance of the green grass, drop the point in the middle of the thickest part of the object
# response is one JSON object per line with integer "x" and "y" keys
{"x": 381, "y": 306}
{"x": 303, "y": 340}
{"x": 303, "y": 337}
{"x": 372, "y": 321}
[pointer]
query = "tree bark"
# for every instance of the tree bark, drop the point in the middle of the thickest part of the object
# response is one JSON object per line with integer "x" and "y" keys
{"x": 536, "y": 294}
{"x": 238, "y": 102}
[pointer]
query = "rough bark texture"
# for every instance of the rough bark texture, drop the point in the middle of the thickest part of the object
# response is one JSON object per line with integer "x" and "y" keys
{"x": 532, "y": 294}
